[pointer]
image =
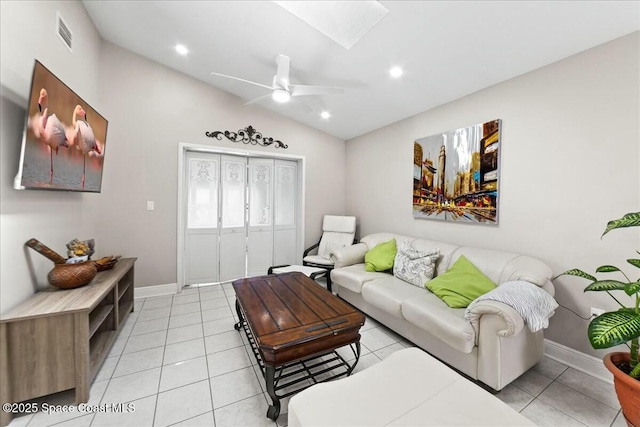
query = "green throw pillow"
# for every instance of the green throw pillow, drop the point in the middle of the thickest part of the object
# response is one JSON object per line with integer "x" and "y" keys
{"x": 381, "y": 257}
{"x": 461, "y": 284}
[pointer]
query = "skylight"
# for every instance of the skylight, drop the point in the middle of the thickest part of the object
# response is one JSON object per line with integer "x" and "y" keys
{"x": 344, "y": 22}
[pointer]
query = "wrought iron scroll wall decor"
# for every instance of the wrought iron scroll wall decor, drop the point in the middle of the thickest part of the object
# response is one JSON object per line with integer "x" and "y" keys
{"x": 247, "y": 135}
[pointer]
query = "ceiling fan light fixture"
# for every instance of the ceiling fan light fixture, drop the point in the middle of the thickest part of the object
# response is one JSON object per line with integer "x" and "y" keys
{"x": 281, "y": 95}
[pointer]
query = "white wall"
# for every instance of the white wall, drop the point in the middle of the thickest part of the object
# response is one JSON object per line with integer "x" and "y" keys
{"x": 28, "y": 33}
{"x": 570, "y": 163}
{"x": 150, "y": 109}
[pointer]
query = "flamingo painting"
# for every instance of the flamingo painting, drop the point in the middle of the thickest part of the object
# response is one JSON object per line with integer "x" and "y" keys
{"x": 49, "y": 129}
{"x": 82, "y": 137}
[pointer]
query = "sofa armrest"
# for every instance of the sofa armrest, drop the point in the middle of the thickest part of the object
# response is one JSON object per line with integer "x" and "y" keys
{"x": 511, "y": 322}
{"x": 349, "y": 255}
{"x": 548, "y": 286}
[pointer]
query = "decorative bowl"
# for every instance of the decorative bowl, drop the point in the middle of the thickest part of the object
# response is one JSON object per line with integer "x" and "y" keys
{"x": 106, "y": 266}
{"x": 69, "y": 276}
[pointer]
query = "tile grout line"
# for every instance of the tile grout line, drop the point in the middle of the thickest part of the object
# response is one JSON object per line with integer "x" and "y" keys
{"x": 590, "y": 397}
{"x": 616, "y": 417}
{"x": 537, "y": 397}
{"x": 101, "y": 402}
{"x": 206, "y": 361}
{"x": 155, "y": 409}
{"x": 250, "y": 355}
{"x": 255, "y": 367}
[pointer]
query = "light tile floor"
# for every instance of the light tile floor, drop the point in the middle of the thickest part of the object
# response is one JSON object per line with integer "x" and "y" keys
{"x": 179, "y": 362}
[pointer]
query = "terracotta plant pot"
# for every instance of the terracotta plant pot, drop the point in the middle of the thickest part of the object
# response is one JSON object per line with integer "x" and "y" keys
{"x": 69, "y": 276}
{"x": 627, "y": 388}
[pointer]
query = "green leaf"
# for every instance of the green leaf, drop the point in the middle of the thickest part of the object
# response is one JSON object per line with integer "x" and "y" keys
{"x": 634, "y": 262}
{"x": 629, "y": 220}
{"x": 606, "y": 285}
{"x": 635, "y": 372}
{"x": 607, "y": 269}
{"x": 632, "y": 288}
{"x": 613, "y": 328}
{"x": 576, "y": 272}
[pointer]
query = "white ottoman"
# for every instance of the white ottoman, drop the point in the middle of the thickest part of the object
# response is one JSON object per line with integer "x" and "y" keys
{"x": 409, "y": 388}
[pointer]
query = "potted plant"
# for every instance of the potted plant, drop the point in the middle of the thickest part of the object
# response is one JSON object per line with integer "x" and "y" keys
{"x": 619, "y": 327}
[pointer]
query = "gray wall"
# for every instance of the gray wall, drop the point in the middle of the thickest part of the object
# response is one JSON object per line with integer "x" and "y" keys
{"x": 570, "y": 151}
{"x": 150, "y": 109}
{"x": 28, "y": 32}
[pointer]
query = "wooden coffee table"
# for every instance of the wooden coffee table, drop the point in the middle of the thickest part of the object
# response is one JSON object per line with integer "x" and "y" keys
{"x": 294, "y": 327}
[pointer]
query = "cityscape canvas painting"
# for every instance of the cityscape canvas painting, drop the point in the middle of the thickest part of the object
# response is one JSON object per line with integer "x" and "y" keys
{"x": 456, "y": 174}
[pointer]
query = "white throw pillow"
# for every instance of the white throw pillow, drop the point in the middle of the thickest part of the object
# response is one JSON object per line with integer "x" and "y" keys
{"x": 414, "y": 266}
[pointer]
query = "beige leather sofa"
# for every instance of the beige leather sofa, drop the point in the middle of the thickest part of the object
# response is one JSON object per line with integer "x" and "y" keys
{"x": 494, "y": 346}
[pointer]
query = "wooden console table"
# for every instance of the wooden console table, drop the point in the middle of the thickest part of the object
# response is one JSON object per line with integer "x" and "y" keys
{"x": 57, "y": 339}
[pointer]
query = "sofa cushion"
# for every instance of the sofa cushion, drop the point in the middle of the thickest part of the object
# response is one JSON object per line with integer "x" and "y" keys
{"x": 446, "y": 251}
{"x": 354, "y": 276}
{"x": 528, "y": 269}
{"x": 414, "y": 266}
{"x": 430, "y": 313}
{"x": 388, "y": 293}
{"x": 372, "y": 240}
{"x": 461, "y": 284}
{"x": 381, "y": 257}
{"x": 490, "y": 262}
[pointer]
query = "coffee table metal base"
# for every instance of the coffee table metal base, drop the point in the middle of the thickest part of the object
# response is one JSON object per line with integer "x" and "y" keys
{"x": 292, "y": 376}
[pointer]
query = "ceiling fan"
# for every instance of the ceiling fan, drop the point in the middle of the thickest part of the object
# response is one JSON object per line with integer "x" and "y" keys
{"x": 281, "y": 89}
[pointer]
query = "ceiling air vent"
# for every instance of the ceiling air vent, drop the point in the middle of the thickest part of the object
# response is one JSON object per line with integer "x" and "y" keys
{"x": 64, "y": 32}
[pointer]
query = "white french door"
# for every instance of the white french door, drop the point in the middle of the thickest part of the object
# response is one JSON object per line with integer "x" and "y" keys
{"x": 242, "y": 216}
{"x": 286, "y": 205}
{"x": 201, "y": 234}
{"x": 260, "y": 236}
{"x": 233, "y": 226}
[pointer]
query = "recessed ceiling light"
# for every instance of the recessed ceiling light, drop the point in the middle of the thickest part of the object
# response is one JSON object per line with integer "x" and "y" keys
{"x": 181, "y": 49}
{"x": 281, "y": 95}
{"x": 325, "y": 114}
{"x": 395, "y": 72}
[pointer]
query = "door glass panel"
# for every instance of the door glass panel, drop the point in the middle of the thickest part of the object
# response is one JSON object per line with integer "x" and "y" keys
{"x": 285, "y": 204}
{"x": 233, "y": 189}
{"x": 260, "y": 173}
{"x": 203, "y": 193}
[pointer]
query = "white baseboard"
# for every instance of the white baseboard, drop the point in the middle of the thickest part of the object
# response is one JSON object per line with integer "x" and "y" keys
{"x": 577, "y": 360}
{"x": 155, "y": 291}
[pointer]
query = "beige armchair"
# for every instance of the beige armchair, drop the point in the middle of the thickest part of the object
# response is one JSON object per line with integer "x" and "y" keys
{"x": 337, "y": 232}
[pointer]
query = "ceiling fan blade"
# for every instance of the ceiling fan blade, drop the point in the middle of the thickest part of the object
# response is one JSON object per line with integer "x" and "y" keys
{"x": 301, "y": 90}
{"x": 282, "y": 75}
{"x": 243, "y": 80}
{"x": 253, "y": 101}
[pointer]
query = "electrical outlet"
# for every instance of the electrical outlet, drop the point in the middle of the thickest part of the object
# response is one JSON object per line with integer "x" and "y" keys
{"x": 595, "y": 312}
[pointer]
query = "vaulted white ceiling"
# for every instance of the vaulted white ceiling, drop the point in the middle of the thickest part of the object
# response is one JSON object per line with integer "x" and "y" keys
{"x": 448, "y": 49}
